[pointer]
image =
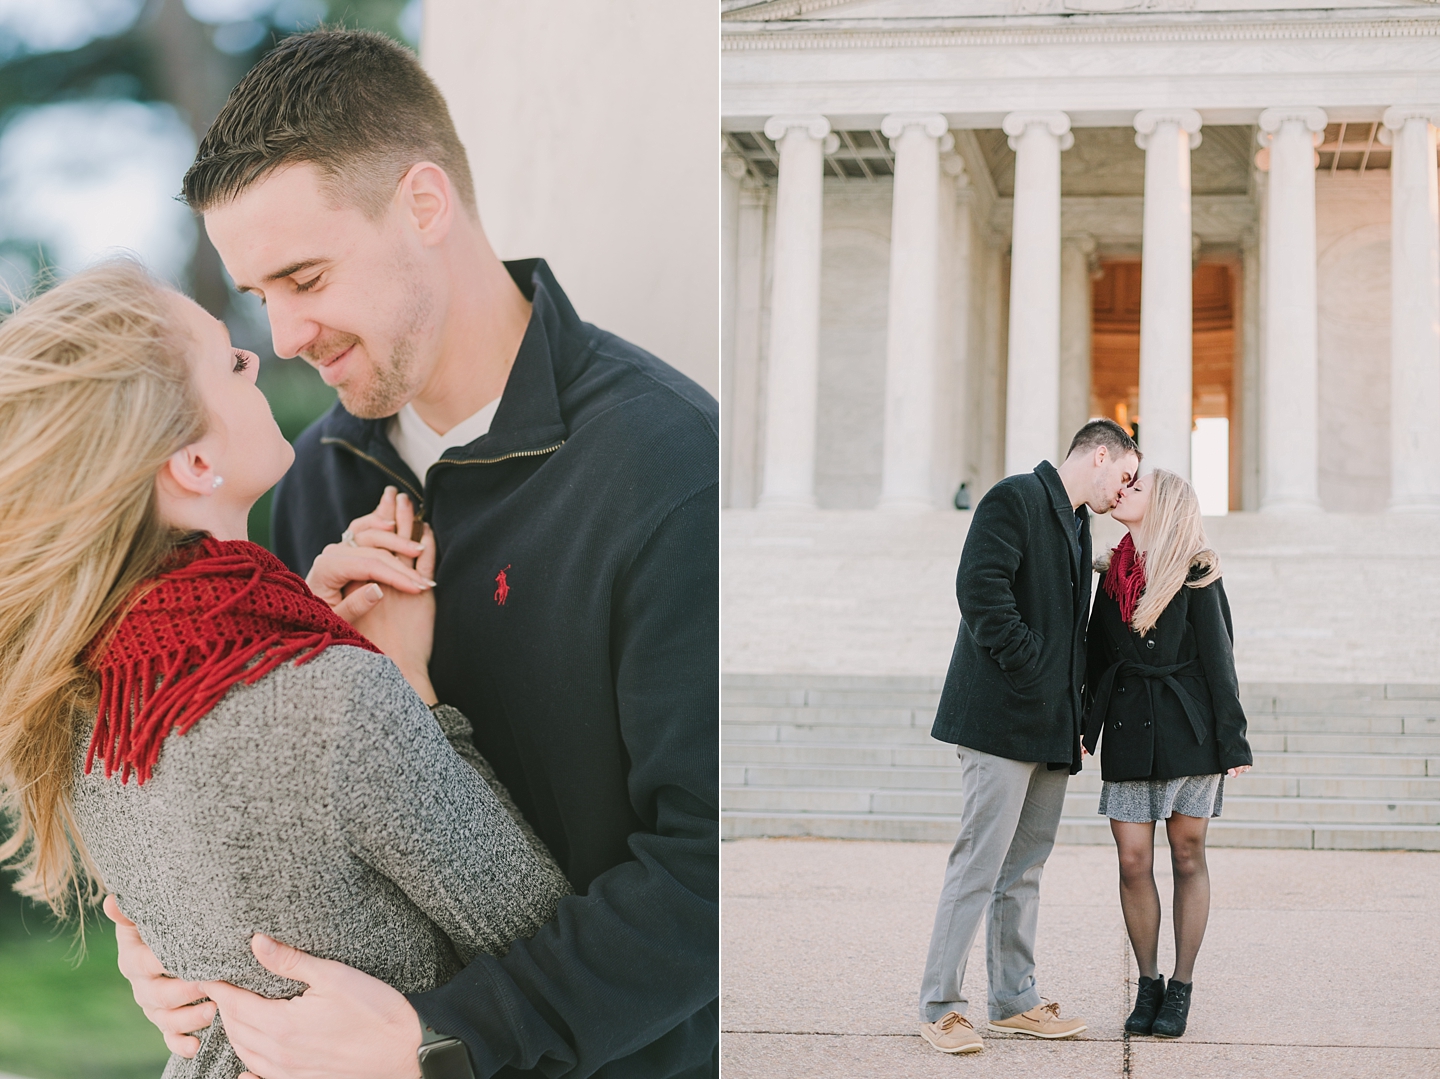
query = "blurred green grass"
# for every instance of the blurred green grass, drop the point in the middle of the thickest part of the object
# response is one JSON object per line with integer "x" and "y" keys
{"x": 64, "y": 1013}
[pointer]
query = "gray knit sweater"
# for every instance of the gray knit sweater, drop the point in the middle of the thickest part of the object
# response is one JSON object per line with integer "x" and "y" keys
{"x": 324, "y": 807}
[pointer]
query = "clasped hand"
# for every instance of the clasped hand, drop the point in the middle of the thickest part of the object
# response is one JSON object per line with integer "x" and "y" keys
{"x": 380, "y": 582}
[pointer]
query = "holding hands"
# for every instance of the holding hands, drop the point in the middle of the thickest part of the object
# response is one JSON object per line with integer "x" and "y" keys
{"x": 379, "y": 579}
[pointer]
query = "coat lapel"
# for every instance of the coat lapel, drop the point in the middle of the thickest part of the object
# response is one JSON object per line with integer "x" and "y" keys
{"x": 1065, "y": 519}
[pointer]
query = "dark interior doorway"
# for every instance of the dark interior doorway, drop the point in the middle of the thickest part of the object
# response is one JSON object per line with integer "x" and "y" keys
{"x": 1115, "y": 366}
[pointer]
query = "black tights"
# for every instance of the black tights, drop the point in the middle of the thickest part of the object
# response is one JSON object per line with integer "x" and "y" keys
{"x": 1140, "y": 900}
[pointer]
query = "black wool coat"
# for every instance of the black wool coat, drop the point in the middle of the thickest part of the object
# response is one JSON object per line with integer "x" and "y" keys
{"x": 1169, "y": 702}
{"x": 1014, "y": 687}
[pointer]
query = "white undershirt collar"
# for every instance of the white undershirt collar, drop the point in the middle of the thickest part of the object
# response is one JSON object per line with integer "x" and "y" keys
{"x": 418, "y": 444}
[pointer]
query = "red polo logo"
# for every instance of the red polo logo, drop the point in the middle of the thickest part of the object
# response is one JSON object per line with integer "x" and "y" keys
{"x": 502, "y": 590}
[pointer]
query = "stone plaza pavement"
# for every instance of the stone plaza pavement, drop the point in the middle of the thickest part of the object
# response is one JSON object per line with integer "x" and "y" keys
{"x": 1315, "y": 964}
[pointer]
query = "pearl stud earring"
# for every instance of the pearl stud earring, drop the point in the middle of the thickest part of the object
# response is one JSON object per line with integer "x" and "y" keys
{"x": 215, "y": 486}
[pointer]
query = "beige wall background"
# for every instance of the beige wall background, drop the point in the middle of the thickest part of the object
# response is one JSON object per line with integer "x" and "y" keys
{"x": 593, "y": 131}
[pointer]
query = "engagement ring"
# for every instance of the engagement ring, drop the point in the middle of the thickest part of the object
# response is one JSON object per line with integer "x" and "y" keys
{"x": 348, "y": 538}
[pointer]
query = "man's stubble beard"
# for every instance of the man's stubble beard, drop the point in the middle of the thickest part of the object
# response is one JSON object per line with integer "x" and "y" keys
{"x": 393, "y": 381}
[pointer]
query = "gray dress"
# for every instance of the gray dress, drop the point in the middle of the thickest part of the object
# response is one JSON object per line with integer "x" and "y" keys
{"x": 1142, "y": 800}
{"x": 324, "y": 807}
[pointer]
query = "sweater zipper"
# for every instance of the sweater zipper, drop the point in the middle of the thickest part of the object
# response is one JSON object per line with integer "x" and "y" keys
{"x": 418, "y": 496}
{"x": 503, "y": 457}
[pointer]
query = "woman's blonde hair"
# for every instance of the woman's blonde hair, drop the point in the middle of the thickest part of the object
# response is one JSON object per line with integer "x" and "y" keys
{"x": 1179, "y": 555}
{"x": 95, "y": 396}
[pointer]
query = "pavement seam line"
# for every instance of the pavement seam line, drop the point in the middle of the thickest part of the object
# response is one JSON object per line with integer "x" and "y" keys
{"x": 1025, "y": 1040}
{"x": 1125, "y": 1034}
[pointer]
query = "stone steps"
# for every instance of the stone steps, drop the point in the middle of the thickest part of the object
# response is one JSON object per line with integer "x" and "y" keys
{"x": 937, "y": 755}
{"x": 742, "y": 718}
{"x": 1336, "y": 766}
{"x": 1262, "y": 809}
{"x": 926, "y": 829}
{"x": 1327, "y": 739}
{"x": 1257, "y": 784}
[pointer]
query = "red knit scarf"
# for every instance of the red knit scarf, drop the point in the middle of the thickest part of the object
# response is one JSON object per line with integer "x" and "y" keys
{"x": 218, "y": 613}
{"x": 1125, "y": 579}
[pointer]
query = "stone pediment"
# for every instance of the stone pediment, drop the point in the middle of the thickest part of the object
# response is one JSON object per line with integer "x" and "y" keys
{"x": 931, "y": 11}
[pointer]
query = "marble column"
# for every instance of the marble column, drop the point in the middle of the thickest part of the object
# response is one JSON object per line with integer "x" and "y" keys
{"x": 732, "y": 172}
{"x": 1290, "y": 473}
{"x": 792, "y": 390}
{"x": 960, "y": 329}
{"x": 1251, "y": 361}
{"x": 990, "y": 377}
{"x": 1414, "y": 309}
{"x": 1166, "y": 407}
{"x": 755, "y": 208}
{"x": 1077, "y": 255}
{"x": 917, "y": 139}
{"x": 1032, "y": 396}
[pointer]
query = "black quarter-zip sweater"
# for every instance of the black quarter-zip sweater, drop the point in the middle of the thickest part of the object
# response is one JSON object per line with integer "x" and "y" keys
{"x": 577, "y": 627}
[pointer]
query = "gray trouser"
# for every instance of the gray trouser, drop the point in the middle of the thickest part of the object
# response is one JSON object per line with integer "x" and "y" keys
{"x": 1011, "y": 812}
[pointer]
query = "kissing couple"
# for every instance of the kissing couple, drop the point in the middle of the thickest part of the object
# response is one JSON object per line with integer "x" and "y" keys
{"x": 1037, "y": 679}
{"x": 451, "y": 808}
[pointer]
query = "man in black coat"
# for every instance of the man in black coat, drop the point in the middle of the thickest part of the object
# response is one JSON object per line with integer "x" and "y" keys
{"x": 1012, "y": 707}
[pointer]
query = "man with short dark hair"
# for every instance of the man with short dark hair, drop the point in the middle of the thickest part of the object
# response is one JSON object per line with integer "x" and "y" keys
{"x": 1012, "y": 707}
{"x": 571, "y": 482}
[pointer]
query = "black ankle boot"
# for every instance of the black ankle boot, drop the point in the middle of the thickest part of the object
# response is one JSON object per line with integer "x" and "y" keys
{"x": 1147, "y": 1004}
{"x": 1170, "y": 1023}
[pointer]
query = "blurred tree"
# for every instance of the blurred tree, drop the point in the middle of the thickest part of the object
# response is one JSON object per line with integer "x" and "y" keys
{"x": 166, "y": 53}
{"x": 67, "y": 1014}
{"x": 194, "y": 76}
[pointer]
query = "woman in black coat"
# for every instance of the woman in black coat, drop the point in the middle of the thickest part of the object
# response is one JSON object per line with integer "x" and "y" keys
{"x": 1160, "y": 683}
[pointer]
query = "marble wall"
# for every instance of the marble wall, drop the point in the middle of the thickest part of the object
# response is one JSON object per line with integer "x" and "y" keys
{"x": 854, "y": 299}
{"x": 1352, "y": 225}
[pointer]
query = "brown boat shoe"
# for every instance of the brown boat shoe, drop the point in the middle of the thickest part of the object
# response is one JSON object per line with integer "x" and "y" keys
{"x": 952, "y": 1033}
{"x": 1040, "y": 1022}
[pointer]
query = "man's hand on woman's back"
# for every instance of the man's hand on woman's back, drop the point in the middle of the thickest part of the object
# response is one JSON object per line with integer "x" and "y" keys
{"x": 179, "y": 1009}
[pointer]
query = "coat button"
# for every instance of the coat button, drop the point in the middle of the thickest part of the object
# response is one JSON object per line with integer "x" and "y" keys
{"x": 1147, "y": 723}
{"x": 1117, "y": 724}
{"x": 1149, "y": 644}
{"x": 1122, "y": 689}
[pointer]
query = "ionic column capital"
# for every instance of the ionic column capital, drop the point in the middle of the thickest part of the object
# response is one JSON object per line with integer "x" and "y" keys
{"x": 1271, "y": 120}
{"x": 932, "y": 123}
{"x": 734, "y": 165}
{"x": 777, "y": 127}
{"x": 1056, "y": 122}
{"x": 1087, "y": 246}
{"x": 952, "y": 164}
{"x": 1147, "y": 120}
{"x": 1397, "y": 116}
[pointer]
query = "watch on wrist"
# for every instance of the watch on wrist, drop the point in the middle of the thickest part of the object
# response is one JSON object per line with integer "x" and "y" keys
{"x": 444, "y": 1057}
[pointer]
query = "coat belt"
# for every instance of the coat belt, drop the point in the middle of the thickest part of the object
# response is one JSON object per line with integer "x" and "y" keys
{"x": 1164, "y": 675}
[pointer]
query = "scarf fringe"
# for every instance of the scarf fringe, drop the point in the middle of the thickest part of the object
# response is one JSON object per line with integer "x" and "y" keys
{"x": 148, "y": 694}
{"x": 134, "y": 719}
{"x": 1125, "y": 579}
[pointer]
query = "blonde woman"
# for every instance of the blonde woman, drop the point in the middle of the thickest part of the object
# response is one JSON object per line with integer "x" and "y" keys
{"x": 183, "y": 723}
{"x": 1161, "y": 685}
